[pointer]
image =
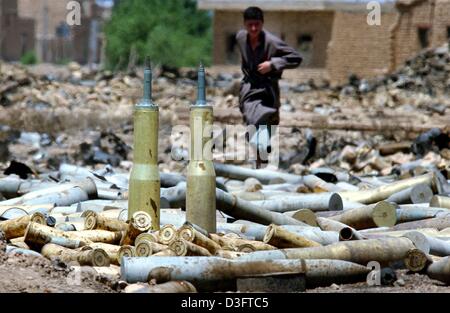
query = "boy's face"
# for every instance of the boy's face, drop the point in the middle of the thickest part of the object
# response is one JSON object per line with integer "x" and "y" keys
{"x": 253, "y": 27}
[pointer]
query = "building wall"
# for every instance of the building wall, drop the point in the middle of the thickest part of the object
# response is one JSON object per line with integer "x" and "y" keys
{"x": 49, "y": 14}
{"x": 441, "y": 23}
{"x": 420, "y": 13}
{"x": 288, "y": 25}
{"x": 16, "y": 33}
{"x": 357, "y": 47}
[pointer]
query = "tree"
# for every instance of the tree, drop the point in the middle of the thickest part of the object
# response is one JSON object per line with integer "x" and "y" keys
{"x": 173, "y": 33}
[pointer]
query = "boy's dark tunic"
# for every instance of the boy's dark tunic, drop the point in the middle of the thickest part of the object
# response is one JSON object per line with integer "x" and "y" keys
{"x": 259, "y": 98}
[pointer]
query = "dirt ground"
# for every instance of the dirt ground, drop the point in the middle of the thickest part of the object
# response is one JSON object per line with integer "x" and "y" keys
{"x": 29, "y": 274}
{"x": 406, "y": 283}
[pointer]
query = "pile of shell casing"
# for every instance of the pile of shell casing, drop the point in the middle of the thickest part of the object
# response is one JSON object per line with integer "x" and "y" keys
{"x": 268, "y": 228}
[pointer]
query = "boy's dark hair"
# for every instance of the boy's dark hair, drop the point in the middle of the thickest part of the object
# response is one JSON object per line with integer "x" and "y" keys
{"x": 253, "y": 13}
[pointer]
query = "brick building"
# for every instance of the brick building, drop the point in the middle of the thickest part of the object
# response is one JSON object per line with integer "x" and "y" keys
{"x": 333, "y": 35}
{"x": 56, "y": 40}
{"x": 16, "y": 33}
{"x": 41, "y": 26}
{"x": 420, "y": 24}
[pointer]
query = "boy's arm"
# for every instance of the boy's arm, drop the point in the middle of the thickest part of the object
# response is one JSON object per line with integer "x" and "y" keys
{"x": 285, "y": 57}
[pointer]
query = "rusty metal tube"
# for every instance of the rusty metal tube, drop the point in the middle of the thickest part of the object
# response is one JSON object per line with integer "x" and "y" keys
{"x": 258, "y": 232}
{"x": 440, "y": 201}
{"x": 111, "y": 250}
{"x": 315, "y": 202}
{"x": 420, "y": 193}
{"x": 189, "y": 233}
{"x": 383, "y": 192}
{"x": 429, "y": 244}
{"x": 242, "y": 209}
{"x": 186, "y": 248}
{"x": 281, "y": 238}
{"x": 264, "y": 176}
{"x": 410, "y": 214}
{"x": 140, "y": 223}
{"x": 437, "y": 222}
{"x": 201, "y": 270}
{"x": 97, "y": 221}
{"x": 440, "y": 270}
{"x": 16, "y": 227}
{"x": 383, "y": 250}
{"x": 94, "y": 257}
{"x": 380, "y": 214}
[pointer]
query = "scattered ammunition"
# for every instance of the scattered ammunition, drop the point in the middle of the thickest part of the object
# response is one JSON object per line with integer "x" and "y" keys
{"x": 319, "y": 185}
{"x": 235, "y": 243}
{"x": 97, "y": 221}
{"x": 187, "y": 248}
{"x": 111, "y": 194}
{"x": 429, "y": 244}
{"x": 440, "y": 202}
{"x": 223, "y": 242}
{"x": 250, "y": 196}
{"x": 94, "y": 257}
{"x": 380, "y": 214}
{"x": 438, "y": 222}
{"x": 125, "y": 251}
{"x": 20, "y": 243}
{"x": 440, "y": 270}
{"x": 348, "y": 233}
{"x": 110, "y": 273}
{"x": 239, "y": 208}
{"x": 140, "y": 222}
{"x": 245, "y": 248}
{"x": 17, "y": 227}
{"x": 228, "y": 254}
{"x": 12, "y": 213}
{"x": 345, "y": 232}
{"x": 152, "y": 237}
{"x": 27, "y": 208}
{"x": 147, "y": 248}
{"x": 65, "y": 227}
{"x": 410, "y": 214}
{"x": 416, "y": 260}
{"x": 264, "y": 176}
{"x": 252, "y": 184}
{"x": 314, "y": 202}
{"x": 416, "y": 194}
{"x": 327, "y": 272}
{"x": 66, "y": 210}
{"x": 167, "y": 252}
{"x": 189, "y": 233}
{"x": 383, "y": 192}
{"x": 281, "y": 238}
{"x": 382, "y": 250}
{"x": 111, "y": 250}
{"x": 205, "y": 273}
{"x": 103, "y": 236}
{"x": 167, "y": 234}
{"x": 201, "y": 177}
{"x": 144, "y": 187}
{"x": 304, "y": 215}
{"x": 21, "y": 251}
